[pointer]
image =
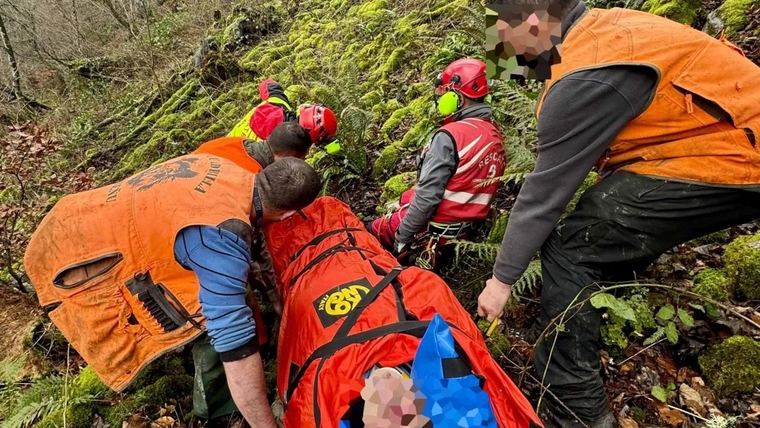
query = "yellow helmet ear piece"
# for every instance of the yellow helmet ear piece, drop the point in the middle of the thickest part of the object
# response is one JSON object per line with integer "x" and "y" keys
{"x": 448, "y": 103}
{"x": 333, "y": 148}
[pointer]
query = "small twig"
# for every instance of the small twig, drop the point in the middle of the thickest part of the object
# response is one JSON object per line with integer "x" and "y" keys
{"x": 643, "y": 350}
{"x": 545, "y": 389}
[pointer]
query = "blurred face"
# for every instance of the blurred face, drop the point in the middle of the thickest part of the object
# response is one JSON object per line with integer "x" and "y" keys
{"x": 392, "y": 401}
{"x": 522, "y": 41}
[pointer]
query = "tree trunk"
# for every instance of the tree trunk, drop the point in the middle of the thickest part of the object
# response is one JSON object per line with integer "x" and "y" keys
{"x": 8, "y": 48}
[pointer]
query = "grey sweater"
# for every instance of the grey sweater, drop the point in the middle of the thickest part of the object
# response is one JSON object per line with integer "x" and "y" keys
{"x": 438, "y": 165}
{"x": 581, "y": 116}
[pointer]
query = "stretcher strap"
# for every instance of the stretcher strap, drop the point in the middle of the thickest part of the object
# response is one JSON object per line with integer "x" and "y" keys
{"x": 413, "y": 328}
{"x": 339, "y": 248}
{"x": 341, "y": 338}
{"x": 322, "y": 237}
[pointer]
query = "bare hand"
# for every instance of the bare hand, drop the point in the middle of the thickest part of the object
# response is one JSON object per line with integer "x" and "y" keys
{"x": 493, "y": 298}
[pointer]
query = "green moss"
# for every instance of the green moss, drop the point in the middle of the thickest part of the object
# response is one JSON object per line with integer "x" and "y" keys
{"x": 683, "y": 11}
{"x": 734, "y": 14}
{"x": 498, "y": 343}
{"x": 395, "y": 186}
{"x": 742, "y": 265}
{"x": 733, "y": 366}
{"x": 158, "y": 393}
{"x": 712, "y": 283}
{"x": 386, "y": 162}
{"x": 393, "y": 62}
{"x": 418, "y": 135}
{"x": 371, "y": 99}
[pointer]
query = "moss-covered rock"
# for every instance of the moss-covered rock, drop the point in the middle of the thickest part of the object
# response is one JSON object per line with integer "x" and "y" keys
{"x": 733, "y": 14}
{"x": 742, "y": 265}
{"x": 712, "y": 283}
{"x": 160, "y": 392}
{"x": 386, "y": 162}
{"x": 683, "y": 11}
{"x": 733, "y": 366}
{"x": 394, "y": 187}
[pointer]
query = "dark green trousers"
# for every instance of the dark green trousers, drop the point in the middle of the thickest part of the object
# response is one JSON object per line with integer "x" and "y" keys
{"x": 211, "y": 395}
{"x": 619, "y": 226}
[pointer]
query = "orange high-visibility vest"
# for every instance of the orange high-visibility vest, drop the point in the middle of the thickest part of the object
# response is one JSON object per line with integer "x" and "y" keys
{"x": 133, "y": 301}
{"x": 231, "y": 148}
{"x": 674, "y": 137}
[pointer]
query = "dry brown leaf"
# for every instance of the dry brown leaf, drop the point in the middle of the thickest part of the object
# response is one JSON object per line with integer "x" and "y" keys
{"x": 626, "y": 422}
{"x": 671, "y": 417}
{"x": 755, "y": 408}
{"x": 135, "y": 421}
{"x": 755, "y": 317}
{"x": 627, "y": 367}
{"x": 667, "y": 364}
{"x": 691, "y": 399}
{"x": 163, "y": 422}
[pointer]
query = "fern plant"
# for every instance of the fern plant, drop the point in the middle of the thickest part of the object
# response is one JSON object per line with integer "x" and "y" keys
{"x": 470, "y": 254}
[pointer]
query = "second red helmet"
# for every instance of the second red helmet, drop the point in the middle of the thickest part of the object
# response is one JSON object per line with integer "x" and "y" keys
{"x": 466, "y": 76}
{"x": 320, "y": 121}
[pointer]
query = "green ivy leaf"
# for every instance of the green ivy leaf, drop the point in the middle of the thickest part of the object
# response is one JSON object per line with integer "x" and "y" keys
{"x": 666, "y": 312}
{"x": 685, "y": 318}
{"x": 660, "y": 393}
{"x": 657, "y": 335}
{"x": 671, "y": 332}
{"x": 616, "y": 307}
{"x": 712, "y": 310}
{"x": 700, "y": 308}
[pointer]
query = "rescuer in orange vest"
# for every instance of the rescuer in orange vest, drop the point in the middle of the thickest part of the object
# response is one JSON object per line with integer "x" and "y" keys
{"x": 671, "y": 119}
{"x": 316, "y": 125}
{"x": 133, "y": 270}
{"x": 462, "y": 156}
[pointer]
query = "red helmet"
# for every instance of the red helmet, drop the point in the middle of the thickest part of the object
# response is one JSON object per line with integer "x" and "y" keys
{"x": 320, "y": 121}
{"x": 466, "y": 76}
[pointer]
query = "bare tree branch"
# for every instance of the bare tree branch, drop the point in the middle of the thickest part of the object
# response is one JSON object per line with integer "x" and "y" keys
{"x": 8, "y": 48}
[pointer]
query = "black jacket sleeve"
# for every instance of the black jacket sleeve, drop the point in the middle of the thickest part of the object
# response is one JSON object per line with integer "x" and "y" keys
{"x": 582, "y": 114}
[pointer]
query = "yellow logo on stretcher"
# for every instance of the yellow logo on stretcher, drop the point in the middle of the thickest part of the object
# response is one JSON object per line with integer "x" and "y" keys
{"x": 341, "y": 300}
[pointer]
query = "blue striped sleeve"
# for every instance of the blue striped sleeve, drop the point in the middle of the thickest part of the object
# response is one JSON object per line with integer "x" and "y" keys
{"x": 220, "y": 260}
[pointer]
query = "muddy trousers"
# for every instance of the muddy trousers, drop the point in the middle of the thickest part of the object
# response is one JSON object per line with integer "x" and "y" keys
{"x": 620, "y": 225}
{"x": 211, "y": 395}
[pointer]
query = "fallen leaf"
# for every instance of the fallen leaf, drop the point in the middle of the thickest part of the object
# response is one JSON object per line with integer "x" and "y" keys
{"x": 163, "y": 422}
{"x": 755, "y": 316}
{"x": 690, "y": 398}
{"x": 627, "y": 422}
{"x": 755, "y": 411}
{"x": 667, "y": 364}
{"x": 627, "y": 367}
{"x": 135, "y": 421}
{"x": 685, "y": 374}
{"x": 672, "y": 417}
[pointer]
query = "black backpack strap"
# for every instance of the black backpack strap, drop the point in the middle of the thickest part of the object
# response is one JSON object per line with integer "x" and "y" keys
{"x": 413, "y": 328}
{"x": 321, "y": 237}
